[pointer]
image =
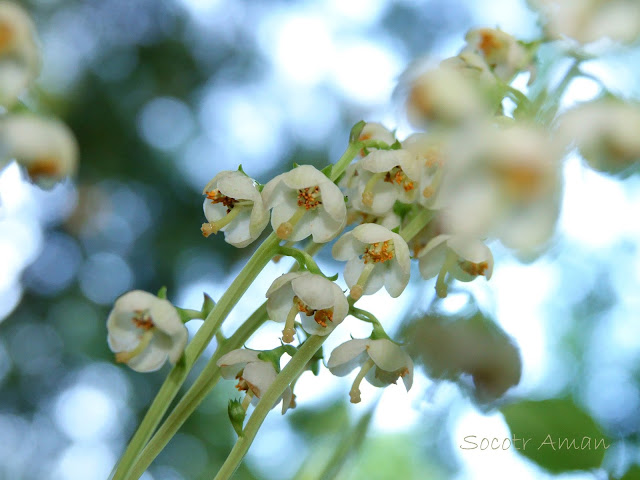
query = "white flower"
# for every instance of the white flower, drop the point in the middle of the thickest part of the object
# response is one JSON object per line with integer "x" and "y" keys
{"x": 606, "y": 134}
{"x": 382, "y": 362}
{"x": 19, "y": 53}
{"x": 305, "y": 202}
{"x": 473, "y": 66}
{"x": 320, "y": 303}
{"x": 375, "y": 182}
{"x": 462, "y": 257}
{"x": 254, "y": 376}
{"x": 44, "y": 146}
{"x": 502, "y": 182}
{"x": 446, "y": 95}
{"x": 428, "y": 149}
{"x": 375, "y": 257}
{"x": 377, "y": 131}
{"x": 589, "y": 21}
{"x": 234, "y": 205}
{"x": 144, "y": 331}
{"x": 502, "y": 52}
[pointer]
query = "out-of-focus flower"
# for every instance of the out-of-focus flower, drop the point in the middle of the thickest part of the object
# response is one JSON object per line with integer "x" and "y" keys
{"x": 461, "y": 257}
{"x": 455, "y": 347}
{"x": 428, "y": 149}
{"x": 473, "y": 66}
{"x": 305, "y": 202}
{"x": 606, "y": 134}
{"x": 375, "y": 257}
{"x": 320, "y": 303}
{"x": 445, "y": 95}
{"x": 145, "y": 331}
{"x": 19, "y": 53}
{"x": 375, "y": 182}
{"x": 381, "y": 362}
{"x": 589, "y": 21}
{"x": 46, "y": 147}
{"x": 377, "y": 131}
{"x": 234, "y": 205}
{"x": 502, "y": 182}
{"x": 254, "y": 375}
{"x": 502, "y": 52}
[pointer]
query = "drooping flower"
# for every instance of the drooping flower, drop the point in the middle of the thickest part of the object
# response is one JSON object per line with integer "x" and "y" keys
{"x": 254, "y": 375}
{"x": 319, "y": 302}
{"x": 145, "y": 331}
{"x": 461, "y": 257}
{"x": 305, "y": 202}
{"x": 445, "y": 95}
{"x": 587, "y": 22}
{"x": 502, "y": 52}
{"x": 428, "y": 149}
{"x": 19, "y": 53}
{"x": 375, "y": 257}
{"x": 606, "y": 134}
{"x": 375, "y": 182}
{"x": 234, "y": 205}
{"x": 44, "y": 146}
{"x": 502, "y": 182}
{"x": 377, "y": 131}
{"x": 381, "y": 362}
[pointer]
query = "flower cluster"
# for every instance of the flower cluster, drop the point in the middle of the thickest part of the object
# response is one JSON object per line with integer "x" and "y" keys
{"x": 475, "y": 173}
{"x": 44, "y": 146}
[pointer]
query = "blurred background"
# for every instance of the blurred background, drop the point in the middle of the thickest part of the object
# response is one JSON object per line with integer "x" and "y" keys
{"x": 161, "y": 96}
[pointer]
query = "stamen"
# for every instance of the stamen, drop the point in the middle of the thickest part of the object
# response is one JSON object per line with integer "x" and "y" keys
{"x": 396, "y": 175}
{"x": 309, "y": 198}
{"x": 379, "y": 252}
{"x": 474, "y": 269}
{"x": 354, "y": 393}
{"x": 145, "y": 339}
{"x": 216, "y": 197}
{"x": 6, "y": 36}
{"x": 488, "y": 43}
{"x": 42, "y": 167}
{"x": 142, "y": 319}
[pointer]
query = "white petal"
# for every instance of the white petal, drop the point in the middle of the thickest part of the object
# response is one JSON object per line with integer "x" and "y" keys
{"x": 234, "y": 361}
{"x": 314, "y": 290}
{"x": 352, "y": 271}
{"x": 273, "y": 191}
{"x": 380, "y": 161}
{"x": 260, "y": 375}
{"x": 324, "y": 228}
{"x": 150, "y": 359}
{"x": 304, "y": 176}
{"x": 284, "y": 210}
{"x": 340, "y": 304}
{"x": 347, "y": 247}
{"x": 333, "y": 201}
{"x": 238, "y": 232}
{"x": 279, "y": 303}
{"x": 347, "y": 356}
{"x": 213, "y": 211}
{"x": 237, "y": 185}
{"x": 431, "y": 260}
{"x": 387, "y": 355}
{"x": 213, "y": 183}
{"x": 282, "y": 280}
{"x": 402, "y": 255}
{"x": 396, "y": 279}
{"x": 165, "y": 317}
{"x": 369, "y": 233}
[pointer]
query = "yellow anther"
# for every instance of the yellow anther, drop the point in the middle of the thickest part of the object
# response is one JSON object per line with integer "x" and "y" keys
{"x": 474, "y": 269}
{"x": 379, "y": 252}
{"x": 397, "y": 176}
{"x": 309, "y": 198}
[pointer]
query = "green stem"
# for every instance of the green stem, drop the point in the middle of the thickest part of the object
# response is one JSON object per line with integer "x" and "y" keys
{"x": 344, "y": 161}
{"x": 302, "y": 257}
{"x": 286, "y": 376}
{"x": 179, "y": 373}
{"x": 196, "y": 394}
{"x": 416, "y": 224}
